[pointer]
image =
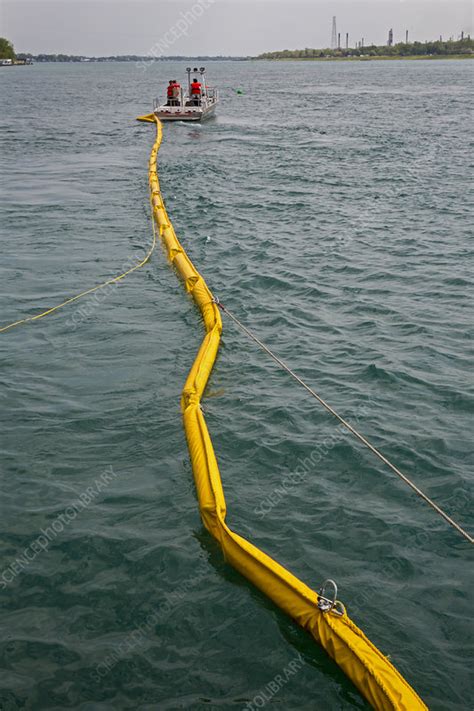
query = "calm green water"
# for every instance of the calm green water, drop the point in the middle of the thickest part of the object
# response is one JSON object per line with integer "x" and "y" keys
{"x": 338, "y": 228}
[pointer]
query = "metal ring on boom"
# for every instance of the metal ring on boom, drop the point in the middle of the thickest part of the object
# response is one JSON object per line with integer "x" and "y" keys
{"x": 326, "y": 604}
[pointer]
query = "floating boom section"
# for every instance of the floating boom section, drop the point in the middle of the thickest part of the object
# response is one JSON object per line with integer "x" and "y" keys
{"x": 372, "y": 673}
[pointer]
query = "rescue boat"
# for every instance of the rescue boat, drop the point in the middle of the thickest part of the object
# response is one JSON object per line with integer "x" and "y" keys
{"x": 186, "y": 107}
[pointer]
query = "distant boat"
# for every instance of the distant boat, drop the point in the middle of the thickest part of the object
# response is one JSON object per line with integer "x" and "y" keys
{"x": 15, "y": 62}
{"x": 184, "y": 106}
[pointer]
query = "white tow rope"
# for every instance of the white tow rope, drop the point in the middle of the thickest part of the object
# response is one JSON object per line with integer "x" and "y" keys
{"x": 346, "y": 424}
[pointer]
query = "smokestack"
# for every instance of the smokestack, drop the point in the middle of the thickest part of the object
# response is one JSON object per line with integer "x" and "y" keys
{"x": 406, "y": 38}
{"x": 334, "y": 34}
{"x": 347, "y": 40}
{"x": 339, "y": 40}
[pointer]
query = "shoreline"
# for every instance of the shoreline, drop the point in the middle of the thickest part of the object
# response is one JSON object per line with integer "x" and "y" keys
{"x": 386, "y": 58}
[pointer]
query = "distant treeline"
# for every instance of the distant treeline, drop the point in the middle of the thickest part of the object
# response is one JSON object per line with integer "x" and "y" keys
{"x": 418, "y": 49}
{"x": 116, "y": 58}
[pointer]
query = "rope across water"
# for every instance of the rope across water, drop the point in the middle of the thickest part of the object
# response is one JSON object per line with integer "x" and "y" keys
{"x": 82, "y": 294}
{"x": 348, "y": 426}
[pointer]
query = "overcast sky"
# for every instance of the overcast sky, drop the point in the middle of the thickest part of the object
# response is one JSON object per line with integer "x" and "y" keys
{"x": 234, "y": 27}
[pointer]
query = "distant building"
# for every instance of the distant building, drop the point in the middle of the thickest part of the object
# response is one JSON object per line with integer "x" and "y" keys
{"x": 390, "y": 38}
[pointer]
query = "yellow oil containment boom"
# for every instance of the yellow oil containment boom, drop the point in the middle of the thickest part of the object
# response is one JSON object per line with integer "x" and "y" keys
{"x": 326, "y": 620}
{"x": 148, "y": 118}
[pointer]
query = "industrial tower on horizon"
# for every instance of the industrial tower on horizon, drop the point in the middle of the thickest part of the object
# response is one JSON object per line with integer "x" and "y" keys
{"x": 334, "y": 34}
